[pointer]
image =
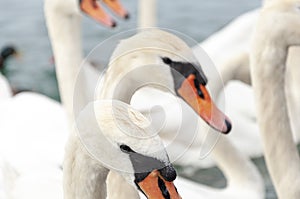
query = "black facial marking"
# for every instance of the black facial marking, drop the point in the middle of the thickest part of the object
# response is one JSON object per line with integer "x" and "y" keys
{"x": 163, "y": 188}
{"x": 144, "y": 165}
{"x": 182, "y": 70}
{"x": 139, "y": 188}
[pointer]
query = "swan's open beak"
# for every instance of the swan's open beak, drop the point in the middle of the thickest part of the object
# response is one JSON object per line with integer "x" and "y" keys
{"x": 199, "y": 99}
{"x": 154, "y": 186}
{"x": 94, "y": 10}
{"x": 117, "y": 8}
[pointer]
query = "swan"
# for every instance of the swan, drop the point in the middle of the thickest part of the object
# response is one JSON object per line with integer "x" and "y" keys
{"x": 6, "y": 53}
{"x": 98, "y": 146}
{"x": 113, "y": 136}
{"x": 155, "y": 52}
{"x": 242, "y": 130}
{"x": 268, "y": 60}
{"x": 33, "y": 130}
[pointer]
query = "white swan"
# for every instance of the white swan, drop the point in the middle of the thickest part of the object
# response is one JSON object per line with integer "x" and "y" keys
{"x": 33, "y": 134}
{"x": 118, "y": 138}
{"x": 155, "y": 52}
{"x": 245, "y": 125}
{"x": 99, "y": 146}
{"x": 268, "y": 68}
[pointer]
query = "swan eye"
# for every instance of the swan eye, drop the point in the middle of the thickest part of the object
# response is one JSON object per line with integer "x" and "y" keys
{"x": 167, "y": 60}
{"x": 126, "y": 149}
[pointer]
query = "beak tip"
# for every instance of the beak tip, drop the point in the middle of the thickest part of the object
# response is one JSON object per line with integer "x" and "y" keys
{"x": 228, "y": 126}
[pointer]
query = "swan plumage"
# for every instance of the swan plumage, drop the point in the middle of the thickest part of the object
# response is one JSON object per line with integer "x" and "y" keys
{"x": 146, "y": 49}
{"x": 268, "y": 59}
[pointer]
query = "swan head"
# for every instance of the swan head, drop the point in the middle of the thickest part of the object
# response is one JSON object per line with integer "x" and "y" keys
{"x": 122, "y": 140}
{"x": 90, "y": 7}
{"x": 161, "y": 58}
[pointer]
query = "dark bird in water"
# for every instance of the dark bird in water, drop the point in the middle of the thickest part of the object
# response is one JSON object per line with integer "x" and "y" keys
{"x": 6, "y": 53}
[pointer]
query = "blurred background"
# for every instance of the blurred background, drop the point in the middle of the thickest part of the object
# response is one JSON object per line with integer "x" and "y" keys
{"x": 23, "y": 25}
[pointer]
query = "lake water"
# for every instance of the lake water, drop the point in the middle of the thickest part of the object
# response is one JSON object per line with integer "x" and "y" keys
{"x": 22, "y": 24}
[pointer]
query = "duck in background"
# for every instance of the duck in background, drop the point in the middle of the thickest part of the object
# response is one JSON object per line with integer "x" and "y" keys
{"x": 7, "y": 52}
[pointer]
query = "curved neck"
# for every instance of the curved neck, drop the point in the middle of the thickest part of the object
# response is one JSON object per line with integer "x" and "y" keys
{"x": 268, "y": 75}
{"x": 147, "y": 13}
{"x": 64, "y": 32}
{"x": 84, "y": 177}
{"x": 237, "y": 168}
{"x": 120, "y": 83}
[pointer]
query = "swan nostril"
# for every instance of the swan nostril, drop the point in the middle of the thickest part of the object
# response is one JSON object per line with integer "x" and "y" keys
{"x": 163, "y": 188}
{"x": 228, "y": 126}
{"x": 114, "y": 24}
{"x": 168, "y": 173}
{"x": 126, "y": 16}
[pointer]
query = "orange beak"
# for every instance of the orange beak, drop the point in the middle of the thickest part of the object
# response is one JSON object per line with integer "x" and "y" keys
{"x": 117, "y": 8}
{"x": 203, "y": 105}
{"x": 93, "y": 9}
{"x": 17, "y": 55}
{"x": 155, "y": 187}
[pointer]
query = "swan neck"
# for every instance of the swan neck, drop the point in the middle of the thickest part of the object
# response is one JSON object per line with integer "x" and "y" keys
{"x": 65, "y": 36}
{"x": 268, "y": 67}
{"x": 147, "y": 13}
{"x": 121, "y": 83}
{"x": 84, "y": 177}
{"x": 238, "y": 169}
